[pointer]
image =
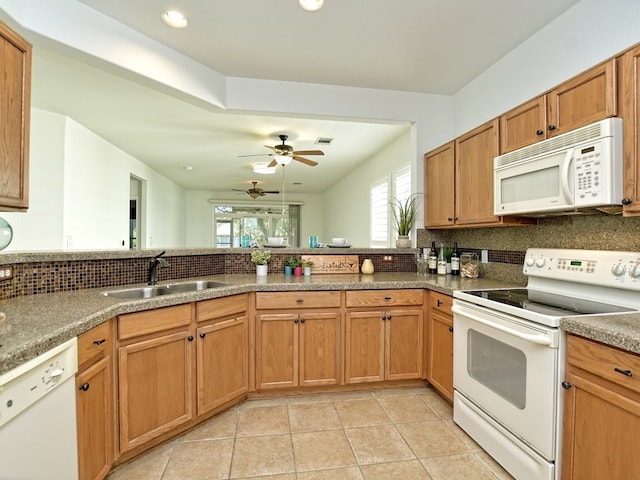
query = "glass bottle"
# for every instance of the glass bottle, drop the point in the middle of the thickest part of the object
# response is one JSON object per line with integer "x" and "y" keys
{"x": 455, "y": 260}
{"x": 442, "y": 262}
{"x": 433, "y": 259}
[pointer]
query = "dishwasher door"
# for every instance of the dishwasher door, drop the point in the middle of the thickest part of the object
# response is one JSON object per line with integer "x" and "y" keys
{"x": 38, "y": 439}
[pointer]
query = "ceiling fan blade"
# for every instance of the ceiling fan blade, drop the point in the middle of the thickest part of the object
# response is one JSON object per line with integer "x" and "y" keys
{"x": 308, "y": 152}
{"x": 238, "y": 190}
{"x": 311, "y": 163}
{"x": 270, "y": 191}
{"x": 273, "y": 163}
{"x": 256, "y": 155}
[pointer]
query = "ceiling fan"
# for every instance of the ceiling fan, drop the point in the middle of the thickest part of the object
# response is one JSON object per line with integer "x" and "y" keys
{"x": 256, "y": 191}
{"x": 284, "y": 153}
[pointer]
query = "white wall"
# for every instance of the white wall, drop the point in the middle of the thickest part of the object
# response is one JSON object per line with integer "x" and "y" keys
{"x": 347, "y": 202}
{"x": 587, "y": 34}
{"x": 79, "y": 193}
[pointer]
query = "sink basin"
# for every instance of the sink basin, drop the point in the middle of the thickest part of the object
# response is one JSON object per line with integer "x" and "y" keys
{"x": 142, "y": 292}
{"x": 156, "y": 290}
{"x": 195, "y": 286}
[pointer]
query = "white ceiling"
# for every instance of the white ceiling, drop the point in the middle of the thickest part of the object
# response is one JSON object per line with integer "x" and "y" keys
{"x": 432, "y": 46}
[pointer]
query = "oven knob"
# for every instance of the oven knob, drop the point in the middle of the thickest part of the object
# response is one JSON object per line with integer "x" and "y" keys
{"x": 530, "y": 261}
{"x": 540, "y": 262}
{"x": 635, "y": 271}
{"x": 618, "y": 269}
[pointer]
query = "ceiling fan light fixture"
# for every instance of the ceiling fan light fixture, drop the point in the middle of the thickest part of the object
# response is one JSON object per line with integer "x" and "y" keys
{"x": 311, "y": 5}
{"x": 263, "y": 168}
{"x": 283, "y": 159}
{"x": 174, "y": 19}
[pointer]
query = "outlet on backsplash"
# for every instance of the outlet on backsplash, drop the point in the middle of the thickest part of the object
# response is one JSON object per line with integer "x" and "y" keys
{"x": 6, "y": 272}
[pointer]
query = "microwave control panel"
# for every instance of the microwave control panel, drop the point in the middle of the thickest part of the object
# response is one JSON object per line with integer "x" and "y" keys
{"x": 588, "y": 174}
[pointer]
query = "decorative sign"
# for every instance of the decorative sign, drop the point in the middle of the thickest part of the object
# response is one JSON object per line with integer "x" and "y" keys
{"x": 333, "y": 263}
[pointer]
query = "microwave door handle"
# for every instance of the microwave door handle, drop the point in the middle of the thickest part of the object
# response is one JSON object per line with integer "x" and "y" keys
{"x": 537, "y": 339}
{"x": 566, "y": 164}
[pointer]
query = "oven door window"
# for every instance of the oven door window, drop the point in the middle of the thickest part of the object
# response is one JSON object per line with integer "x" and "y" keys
{"x": 499, "y": 367}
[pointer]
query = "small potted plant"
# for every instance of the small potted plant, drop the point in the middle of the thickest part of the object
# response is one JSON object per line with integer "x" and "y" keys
{"x": 289, "y": 264}
{"x": 404, "y": 217}
{"x": 306, "y": 265}
{"x": 261, "y": 259}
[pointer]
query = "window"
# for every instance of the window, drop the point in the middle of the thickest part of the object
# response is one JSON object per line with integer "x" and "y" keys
{"x": 230, "y": 222}
{"x": 383, "y": 192}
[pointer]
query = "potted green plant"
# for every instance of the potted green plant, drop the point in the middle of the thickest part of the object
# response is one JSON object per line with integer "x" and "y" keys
{"x": 289, "y": 264}
{"x": 404, "y": 217}
{"x": 306, "y": 266}
{"x": 261, "y": 259}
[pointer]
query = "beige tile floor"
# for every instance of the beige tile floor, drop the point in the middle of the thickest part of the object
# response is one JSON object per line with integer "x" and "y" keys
{"x": 400, "y": 434}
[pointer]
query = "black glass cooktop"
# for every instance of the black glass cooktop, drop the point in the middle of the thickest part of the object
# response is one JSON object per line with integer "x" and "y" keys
{"x": 547, "y": 303}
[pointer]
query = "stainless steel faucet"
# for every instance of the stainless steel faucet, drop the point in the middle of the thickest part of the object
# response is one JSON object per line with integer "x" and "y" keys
{"x": 153, "y": 267}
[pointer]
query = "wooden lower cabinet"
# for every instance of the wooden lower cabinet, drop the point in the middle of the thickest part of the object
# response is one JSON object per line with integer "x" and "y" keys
{"x": 155, "y": 374}
{"x": 222, "y": 351}
{"x": 297, "y": 349}
{"x": 383, "y": 344}
{"x": 602, "y": 412}
{"x": 95, "y": 413}
{"x": 440, "y": 348}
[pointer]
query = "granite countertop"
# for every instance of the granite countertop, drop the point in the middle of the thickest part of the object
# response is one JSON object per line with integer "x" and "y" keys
{"x": 36, "y": 323}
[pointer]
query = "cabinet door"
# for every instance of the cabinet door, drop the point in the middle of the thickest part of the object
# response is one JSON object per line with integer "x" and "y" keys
{"x": 441, "y": 354}
{"x": 223, "y": 362}
{"x": 524, "y": 125}
{"x": 474, "y": 154}
{"x": 585, "y": 99}
{"x": 631, "y": 114}
{"x": 403, "y": 344}
{"x": 15, "y": 109}
{"x": 95, "y": 419}
{"x": 319, "y": 361}
{"x": 156, "y": 393}
{"x": 364, "y": 347}
{"x": 277, "y": 350}
{"x": 439, "y": 182}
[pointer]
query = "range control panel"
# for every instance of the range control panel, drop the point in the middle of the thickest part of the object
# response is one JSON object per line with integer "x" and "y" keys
{"x": 596, "y": 267}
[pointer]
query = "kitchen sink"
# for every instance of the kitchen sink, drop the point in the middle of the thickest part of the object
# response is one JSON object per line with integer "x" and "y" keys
{"x": 157, "y": 290}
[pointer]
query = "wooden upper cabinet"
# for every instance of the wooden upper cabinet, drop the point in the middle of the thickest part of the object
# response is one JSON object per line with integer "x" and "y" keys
{"x": 15, "y": 105}
{"x": 439, "y": 171}
{"x": 585, "y": 99}
{"x": 474, "y": 154}
{"x": 631, "y": 113}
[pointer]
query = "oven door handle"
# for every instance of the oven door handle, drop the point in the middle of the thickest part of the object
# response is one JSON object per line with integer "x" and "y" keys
{"x": 537, "y": 339}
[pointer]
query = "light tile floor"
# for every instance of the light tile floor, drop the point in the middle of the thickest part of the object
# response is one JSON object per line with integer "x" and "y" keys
{"x": 399, "y": 434}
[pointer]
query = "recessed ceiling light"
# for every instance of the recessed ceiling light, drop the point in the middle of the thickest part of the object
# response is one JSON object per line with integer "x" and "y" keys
{"x": 263, "y": 168}
{"x": 311, "y": 5}
{"x": 174, "y": 19}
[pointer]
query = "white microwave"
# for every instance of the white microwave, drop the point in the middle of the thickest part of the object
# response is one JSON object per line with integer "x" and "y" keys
{"x": 576, "y": 171}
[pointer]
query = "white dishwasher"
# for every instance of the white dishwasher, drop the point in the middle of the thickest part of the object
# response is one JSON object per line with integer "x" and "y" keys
{"x": 38, "y": 438}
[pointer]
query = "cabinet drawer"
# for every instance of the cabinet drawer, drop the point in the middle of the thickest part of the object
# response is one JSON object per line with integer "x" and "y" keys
{"x": 152, "y": 321}
{"x": 617, "y": 366}
{"x": 272, "y": 300}
{"x": 95, "y": 344}
{"x": 440, "y": 302}
{"x": 221, "y": 307}
{"x": 384, "y": 298}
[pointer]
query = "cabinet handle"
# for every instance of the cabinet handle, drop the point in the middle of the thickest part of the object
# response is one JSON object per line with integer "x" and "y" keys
{"x": 566, "y": 385}
{"x": 539, "y": 132}
{"x": 451, "y": 329}
{"x": 552, "y": 127}
{"x": 623, "y": 372}
{"x": 190, "y": 338}
{"x": 626, "y": 201}
{"x": 389, "y": 317}
{"x": 99, "y": 342}
{"x": 386, "y": 299}
{"x": 440, "y": 302}
{"x": 296, "y": 321}
{"x": 84, "y": 387}
{"x": 300, "y": 300}
{"x": 202, "y": 335}
{"x": 302, "y": 320}
{"x": 384, "y": 316}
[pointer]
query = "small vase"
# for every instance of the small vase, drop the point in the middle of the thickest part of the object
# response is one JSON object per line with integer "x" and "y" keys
{"x": 367, "y": 267}
{"x": 403, "y": 241}
{"x": 307, "y": 271}
{"x": 262, "y": 270}
{"x": 297, "y": 271}
{"x": 288, "y": 270}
